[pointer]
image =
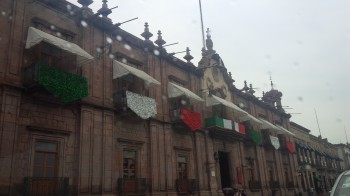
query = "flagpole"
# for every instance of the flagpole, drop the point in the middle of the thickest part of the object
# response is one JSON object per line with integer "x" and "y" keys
{"x": 319, "y": 130}
{"x": 346, "y": 136}
{"x": 202, "y": 26}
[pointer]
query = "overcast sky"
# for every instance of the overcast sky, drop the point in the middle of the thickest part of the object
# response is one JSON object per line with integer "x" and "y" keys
{"x": 303, "y": 44}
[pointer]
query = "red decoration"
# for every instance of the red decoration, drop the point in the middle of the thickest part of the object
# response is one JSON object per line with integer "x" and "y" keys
{"x": 290, "y": 146}
{"x": 192, "y": 119}
{"x": 239, "y": 175}
{"x": 242, "y": 128}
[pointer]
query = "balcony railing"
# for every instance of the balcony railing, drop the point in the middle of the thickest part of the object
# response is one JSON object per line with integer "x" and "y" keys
{"x": 136, "y": 186}
{"x": 186, "y": 186}
{"x": 67, "y": 87}
{"x": 274, "y": 185}
{"x": 254, "y": 186}
{"x": 290, "y": 185}
{"x": 43, "y": 186}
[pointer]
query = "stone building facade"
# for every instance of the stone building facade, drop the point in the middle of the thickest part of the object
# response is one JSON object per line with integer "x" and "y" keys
{"x": 318, "y": 160}
{"x": 89, "y": 109}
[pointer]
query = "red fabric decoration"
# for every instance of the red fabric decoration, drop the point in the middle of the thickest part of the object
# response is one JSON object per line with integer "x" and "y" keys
{"x": 242, "y": 128}
{"x": 192, "y": 119}
{"x": 239, "y": 175}
{"x": 290, "y": 146}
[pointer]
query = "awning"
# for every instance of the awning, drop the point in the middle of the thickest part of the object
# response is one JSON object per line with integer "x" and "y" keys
{"x": 175, "y": 90}
{"x": 285, "y": 130}
{"x": 120, "y": 69}
{"x": 267, "y": 125}
{"x": 214, "y": 100}
{"x": 249, "y": 117}
{"x": 35, "y": 36}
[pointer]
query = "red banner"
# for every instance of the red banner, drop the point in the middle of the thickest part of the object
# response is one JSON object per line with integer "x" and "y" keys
{"x": 239, "y": 175}
{"x": 192, "y": 119}
{"x": 290, "y": 146}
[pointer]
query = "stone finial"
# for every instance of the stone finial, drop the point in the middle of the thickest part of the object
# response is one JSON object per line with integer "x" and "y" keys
{"x": 251, "y": 90}
{"x": 85, "y": 3}
{"x": 203, "y": 51}
{"x": 104, "y": 11}
{"x": 160, "y": 42}
{"x": 245, "y": 88}
{"x": 271, "y": 82}
{"x": 188, "y": 56}
{"x": 230, "y": 74}
{"x": 146, "y": 34}
{"x": 208, "y": 41}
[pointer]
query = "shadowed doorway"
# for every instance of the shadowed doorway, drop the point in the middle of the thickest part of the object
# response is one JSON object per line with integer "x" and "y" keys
{"x": 224, "y": 169}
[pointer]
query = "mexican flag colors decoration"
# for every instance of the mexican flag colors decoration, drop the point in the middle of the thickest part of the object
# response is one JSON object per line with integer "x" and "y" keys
{"x": 255, "y": 136}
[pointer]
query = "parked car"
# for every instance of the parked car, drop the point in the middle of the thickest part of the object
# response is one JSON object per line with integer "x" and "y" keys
{"x": 341, "y": 186}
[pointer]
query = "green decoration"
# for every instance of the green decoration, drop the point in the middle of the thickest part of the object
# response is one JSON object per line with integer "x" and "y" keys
{"x": 66, "y": 86}
{"x": 214, "y": 121}
{"x": 255, "y": 136}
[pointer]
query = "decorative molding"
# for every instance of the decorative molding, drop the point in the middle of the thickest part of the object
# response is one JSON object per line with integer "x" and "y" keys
{"x": 49, "y": 130}
{"x": 130, "y": 142}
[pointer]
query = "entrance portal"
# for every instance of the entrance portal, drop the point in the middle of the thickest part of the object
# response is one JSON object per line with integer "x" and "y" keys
{"x": 224, "y": 170}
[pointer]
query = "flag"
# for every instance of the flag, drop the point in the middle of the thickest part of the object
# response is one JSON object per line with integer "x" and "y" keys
{"x": 240, "y": 128}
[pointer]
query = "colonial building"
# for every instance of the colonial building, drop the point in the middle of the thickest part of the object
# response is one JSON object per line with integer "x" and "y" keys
{"x": 318, "y": 161}
{"x": 344, "y": 155}
{"x": 89, "y": 109}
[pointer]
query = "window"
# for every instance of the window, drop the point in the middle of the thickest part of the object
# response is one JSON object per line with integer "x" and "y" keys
{"x": 286, "y": 174}
{"x": 52, "y": 56}
{"x": 129, "y": 164}
{"x": 182, "y": 167}
{"x": 219, "y": 110}
{"x": 270, "y": 172}
{"x": 251, "y": 177}
{"x": 45, "y": 159}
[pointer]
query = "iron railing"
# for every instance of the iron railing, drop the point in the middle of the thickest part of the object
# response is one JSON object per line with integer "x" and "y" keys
{"x": 132, "y": 186}
{"x": 274, "y": 185}
{"x": 254, "y": 185}
{"x": 290, "y": 185}
{"x": 43, "y": 186}
{"x": 186, "y": 186}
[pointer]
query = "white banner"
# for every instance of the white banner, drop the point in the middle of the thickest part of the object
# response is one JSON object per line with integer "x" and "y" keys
{"x": 275, "y": 142}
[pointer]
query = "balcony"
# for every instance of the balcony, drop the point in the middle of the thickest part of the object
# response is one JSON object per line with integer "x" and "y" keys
{"x": 290, "y": 185}
{"x": 185, "y": 119}
{"x": 222, "y": 129}
{"x": 274, "y": 185}
{"x": 128, "y": 104}
{"x": 43, "y": 186}
{"x": 186, "y": 186}
{"x": 254, "y": 186}
{"x": 137, "y": 186}
{"x": 67, "y": 87}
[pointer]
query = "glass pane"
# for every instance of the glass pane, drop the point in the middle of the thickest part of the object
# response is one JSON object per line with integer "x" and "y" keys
{"x": 50, "y": 172}
{"x": 129, "y": 154}
{"x": 39, "y": 159}
{"x": 182, "y": 159}
{"x": 38, "y": 171}
{"x": 50, "y": 159}
{"x": 46, "y": 146}
{"x": 125, "y": 164}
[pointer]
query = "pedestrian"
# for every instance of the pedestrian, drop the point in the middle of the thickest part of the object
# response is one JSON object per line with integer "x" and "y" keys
{"x": 243, "y": 193}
